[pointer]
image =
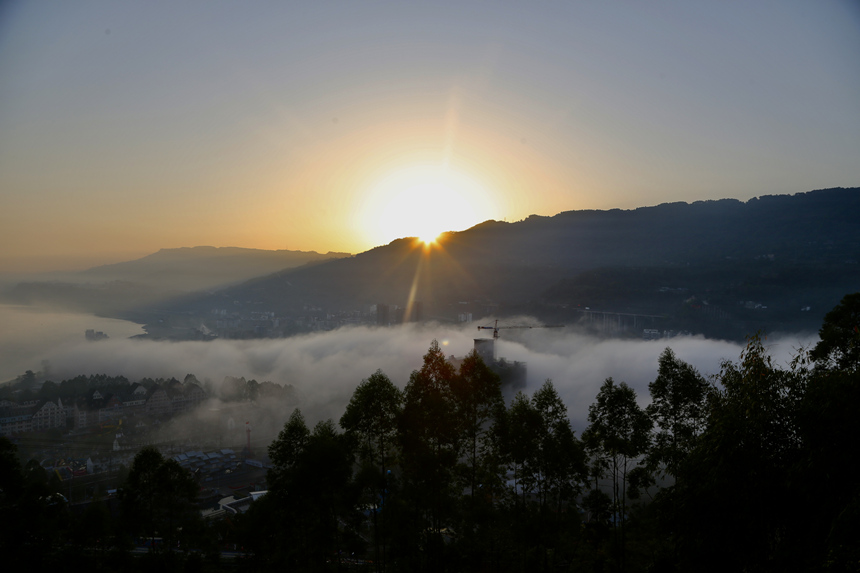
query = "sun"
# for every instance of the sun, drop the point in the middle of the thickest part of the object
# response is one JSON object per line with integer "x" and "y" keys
{"x": 429, "y": 239}
{"x": 423, "y": 202}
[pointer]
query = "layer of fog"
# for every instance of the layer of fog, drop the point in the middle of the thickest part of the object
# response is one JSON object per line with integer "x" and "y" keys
{"x": 30, "y": 334}
{"x": 324, "y": 368}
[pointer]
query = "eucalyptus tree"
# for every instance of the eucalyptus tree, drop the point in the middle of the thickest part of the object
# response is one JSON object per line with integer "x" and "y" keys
{"x": 311, "y": 500}
{"x": 520, "y": 435}
{"x": 273, "y": 517}
{"x": 430, "y": 446}
{"x": 839, "y": 344}
{"x": 776, "y": 468}
{"x": 371, "y": 418}
{"x": 618, "y": 432}
{"x": 827, "y": 471}
{"x": 478, "y": 410}
{"x": 679, "y": 410}
{"x": 559, "y": 458}
{"x": 159, "y": 497}
{"x": 285, "y": 450}
{"x": 14, "y": 507}
{"x": 744, "y": 468}
{"x": 11, "y": 474}
{"x": 478, "y": 402}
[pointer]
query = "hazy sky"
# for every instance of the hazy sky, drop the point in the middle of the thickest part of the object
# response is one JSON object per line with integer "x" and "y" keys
{"x": 128, "y": 127}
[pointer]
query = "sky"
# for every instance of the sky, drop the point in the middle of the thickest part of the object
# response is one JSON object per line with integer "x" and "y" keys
{"x": 339, "y": 126}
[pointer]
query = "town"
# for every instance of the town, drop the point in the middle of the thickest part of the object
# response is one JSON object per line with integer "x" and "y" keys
{"x": 84, "y": 432}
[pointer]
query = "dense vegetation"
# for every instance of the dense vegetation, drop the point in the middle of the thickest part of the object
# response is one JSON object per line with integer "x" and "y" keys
{"x": 755, "y": 470}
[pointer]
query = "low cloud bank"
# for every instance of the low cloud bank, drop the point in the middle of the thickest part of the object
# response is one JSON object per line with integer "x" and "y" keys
{"x": 325, "y": 368}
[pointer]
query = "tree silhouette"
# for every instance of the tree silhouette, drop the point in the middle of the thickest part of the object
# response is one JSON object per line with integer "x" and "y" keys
{"x": 310, "y": 496}
{"x": 678, "y": 410}
{"x": 429, "y": 444}
{"x": 371, "y": 417}
{"x": 159, "y": 498}
{"x": 839, "y": 344}
{"x": 619, "y": 430}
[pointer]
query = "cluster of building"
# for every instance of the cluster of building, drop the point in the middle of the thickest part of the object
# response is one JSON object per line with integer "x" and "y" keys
{"x": 224, "y": 323}
{"x": 267, "y": 324}
{"x": 386, "y": 315}
{"x": 212, "y": 465}
{"x": 98, "y": 406}
{"x": 657, "y": 334}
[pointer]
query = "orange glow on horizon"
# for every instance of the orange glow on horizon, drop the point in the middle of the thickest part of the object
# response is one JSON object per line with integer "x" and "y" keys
{"x": 423, "y": 201}
{"x": 429, "y": 240}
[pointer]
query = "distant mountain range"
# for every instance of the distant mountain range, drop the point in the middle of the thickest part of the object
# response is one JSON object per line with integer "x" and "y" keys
{"x": 720, "y": 267}
{"x": 201, "y": 268}
{"x": 151, "y": 280}
{"x": 724, "y": 268}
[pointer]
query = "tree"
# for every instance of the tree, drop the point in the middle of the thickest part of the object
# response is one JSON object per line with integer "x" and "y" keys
{"x": 285, "y": 451}
{"x": 310, "y": 494}
{"x": 678, "y": 409}
{"x": 159, "y": 498}
{"x": 739, "y": 472}
{"x": 547, "y": 466}
{"x": 371, "y": 417}
{"x": 839, "y": 346}
{"x": 559, "y": 456}
{"x": 429, "y": 445}
{"x": 519, "y": 436}
{"x": 478, "y": 408}
{"x": 27, "y": 380}
{"x": 11, "y": 474}
{"x": 826, "y": 475}
{"x": 42, "y": 519}
{"x": 276, "y": 516}
{"x": 478, "y": 402}
{"x": 49, "y": 391}
{"x": 619, "y": 431}
{"x": 11, "y": 492}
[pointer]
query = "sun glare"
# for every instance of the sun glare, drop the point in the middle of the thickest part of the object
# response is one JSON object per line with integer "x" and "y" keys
{"x": 423, "y": 202}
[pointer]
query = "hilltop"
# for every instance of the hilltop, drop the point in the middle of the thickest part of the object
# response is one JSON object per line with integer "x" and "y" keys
{"x": 118, "y": 288}
{"x": 774, "y": 262}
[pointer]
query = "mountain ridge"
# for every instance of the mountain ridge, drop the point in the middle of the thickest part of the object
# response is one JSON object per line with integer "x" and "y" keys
{"x": 725, "y": 268}
{"x": 726, "y": 249}
{"x": 204, "y": 267}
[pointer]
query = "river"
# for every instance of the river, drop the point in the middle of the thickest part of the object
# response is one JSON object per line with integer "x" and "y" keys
{"x": 29, "y": 335}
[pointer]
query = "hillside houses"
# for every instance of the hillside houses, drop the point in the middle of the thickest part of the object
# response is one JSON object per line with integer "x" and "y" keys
{"x": 48, "y": 414}
{"x": 20, "y": 418}
{"x": 98, "y": 406}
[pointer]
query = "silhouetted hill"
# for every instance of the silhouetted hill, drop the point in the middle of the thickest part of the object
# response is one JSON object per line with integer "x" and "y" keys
{"x": 196, "y": 268}
{"x": 169, "y": 274}
{"x": 783, "y": 252}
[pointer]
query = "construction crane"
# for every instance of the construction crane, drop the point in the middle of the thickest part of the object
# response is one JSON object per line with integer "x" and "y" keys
{"x": 495, "y": 328}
